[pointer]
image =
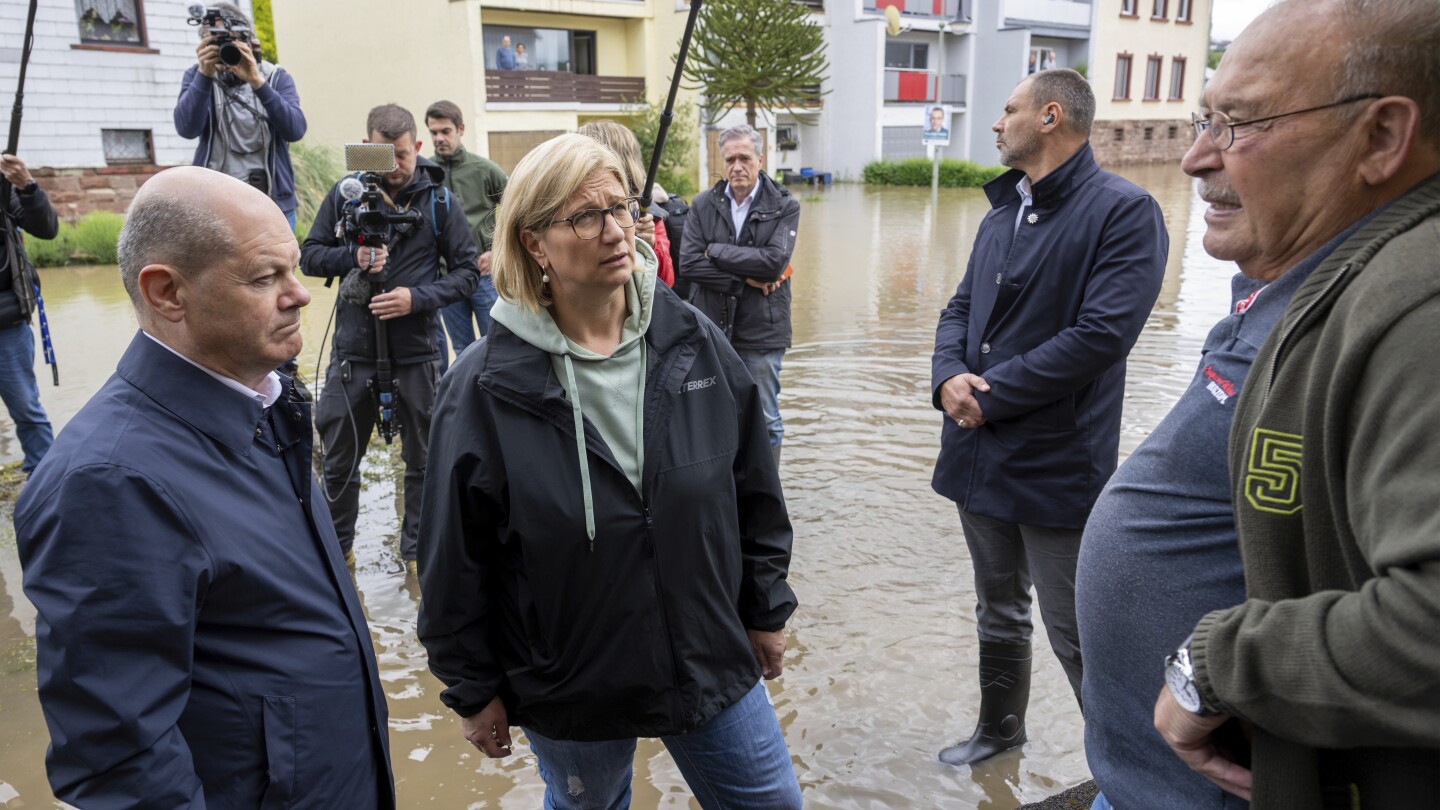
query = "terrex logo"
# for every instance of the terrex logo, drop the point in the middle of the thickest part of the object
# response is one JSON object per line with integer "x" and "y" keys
{"x": 695, "y": 385}
{"x": 1219, "y": 387}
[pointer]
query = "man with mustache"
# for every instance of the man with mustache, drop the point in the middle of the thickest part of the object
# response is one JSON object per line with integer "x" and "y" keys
{"x": 198, "y": 642}
{"x": 1322, "y": 687}
{"x": 1029, "y": 368}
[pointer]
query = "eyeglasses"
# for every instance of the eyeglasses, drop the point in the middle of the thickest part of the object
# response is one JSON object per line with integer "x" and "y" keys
{"x": 1222, "y": 129}
{"x": 589, "y": 223}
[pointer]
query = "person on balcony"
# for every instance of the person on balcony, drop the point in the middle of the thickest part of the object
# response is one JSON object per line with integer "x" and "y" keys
{"x": 504, "y": 57}
{"x": 522, "y": 58}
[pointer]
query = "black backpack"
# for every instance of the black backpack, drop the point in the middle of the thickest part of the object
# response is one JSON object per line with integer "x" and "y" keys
{"x": 676, "y": 212}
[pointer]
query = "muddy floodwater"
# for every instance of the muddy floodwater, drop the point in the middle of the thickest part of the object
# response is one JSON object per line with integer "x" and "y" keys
{"x": 880, "y": 671}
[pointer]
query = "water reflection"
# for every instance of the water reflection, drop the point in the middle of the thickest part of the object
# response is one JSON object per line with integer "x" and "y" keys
{"x": 881, "y": 669}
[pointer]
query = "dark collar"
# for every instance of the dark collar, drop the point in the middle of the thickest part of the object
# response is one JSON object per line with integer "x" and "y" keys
{"x": 201, "y": 401}
{"x": 1053, "y": 188}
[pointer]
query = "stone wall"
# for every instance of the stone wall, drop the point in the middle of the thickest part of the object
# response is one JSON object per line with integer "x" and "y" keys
{"x": 1161, "y": 141}
{"x": 76, "y": 192}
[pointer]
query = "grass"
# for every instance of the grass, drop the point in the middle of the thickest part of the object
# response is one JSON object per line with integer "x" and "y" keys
{"x": 317, "y": 167}
{"x": 916, "y": 172}
{"x": 92, "y": 240}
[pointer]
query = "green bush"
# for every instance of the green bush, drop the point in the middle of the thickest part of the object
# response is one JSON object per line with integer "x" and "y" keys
{"x": 96, "y": 235}
{"x": 317, "y": 167}
{"x": 916, "y": 172}
{"x": 52, "y": 252}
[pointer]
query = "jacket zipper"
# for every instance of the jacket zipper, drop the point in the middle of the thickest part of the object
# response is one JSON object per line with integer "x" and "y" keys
{"x": 1295, "y": 324}
{"x": 664, "y": 618}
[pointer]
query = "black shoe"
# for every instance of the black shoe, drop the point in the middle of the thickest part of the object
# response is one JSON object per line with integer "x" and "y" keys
{"x": 1004, "y": 694}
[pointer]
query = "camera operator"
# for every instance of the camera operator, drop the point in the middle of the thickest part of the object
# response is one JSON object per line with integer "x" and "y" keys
{"x": 408, "y": 271}
{"x": 245, "y": 114}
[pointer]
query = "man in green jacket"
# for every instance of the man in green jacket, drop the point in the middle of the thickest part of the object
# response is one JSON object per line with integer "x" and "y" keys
{"x": 1323, "y": 688}
{"x": 477, "y": 184}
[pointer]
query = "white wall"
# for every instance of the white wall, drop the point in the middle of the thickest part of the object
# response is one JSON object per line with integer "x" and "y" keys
{"x": 71, "y": 94}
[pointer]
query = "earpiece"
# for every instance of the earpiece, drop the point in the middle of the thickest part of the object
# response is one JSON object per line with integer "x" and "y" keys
{"x": 1049, "y": 119}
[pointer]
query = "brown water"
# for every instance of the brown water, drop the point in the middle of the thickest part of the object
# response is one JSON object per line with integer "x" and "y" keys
{"x": 881, "y": 669}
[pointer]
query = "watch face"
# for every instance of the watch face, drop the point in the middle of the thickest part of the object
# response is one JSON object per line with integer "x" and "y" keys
{"x": 1183, "y": 689}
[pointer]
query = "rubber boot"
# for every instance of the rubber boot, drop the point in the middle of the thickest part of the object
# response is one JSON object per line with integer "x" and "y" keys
{"x": 1004, "y": 694}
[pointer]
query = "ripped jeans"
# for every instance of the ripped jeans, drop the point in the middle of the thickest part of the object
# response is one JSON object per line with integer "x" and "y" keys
{"x": 737, "y": 761}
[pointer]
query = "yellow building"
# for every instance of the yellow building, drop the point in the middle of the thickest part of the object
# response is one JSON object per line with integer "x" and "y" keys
{"x": 1148, "y": 60}
{"x": 584, "y": 59}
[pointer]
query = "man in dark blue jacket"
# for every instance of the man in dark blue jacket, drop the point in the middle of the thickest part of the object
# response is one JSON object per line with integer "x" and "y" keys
{"x": 28, "y": 209}
{"x": 199, "y": 642}
{"x": 412, "y": 292}
{"x": 246, "y": 115}
{"x": 1029, "y": 369}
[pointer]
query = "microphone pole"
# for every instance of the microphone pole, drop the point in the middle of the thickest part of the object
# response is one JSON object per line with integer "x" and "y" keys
{"x": 669, "y": 111}
{"x": 28, "y": 283}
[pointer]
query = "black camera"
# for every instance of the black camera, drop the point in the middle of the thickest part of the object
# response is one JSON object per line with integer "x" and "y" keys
{"x": 368, "y": 217}
{"x": 230, "y": 33}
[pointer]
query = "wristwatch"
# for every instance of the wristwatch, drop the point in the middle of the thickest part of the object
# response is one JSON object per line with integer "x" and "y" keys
{"x": 28, "y": 189}
{"x": 1180, "y": 677}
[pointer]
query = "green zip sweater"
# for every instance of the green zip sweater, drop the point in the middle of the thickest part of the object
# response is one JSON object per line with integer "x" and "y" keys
{"x": 1335, "y": 461}
{"x": 478, "y": 183}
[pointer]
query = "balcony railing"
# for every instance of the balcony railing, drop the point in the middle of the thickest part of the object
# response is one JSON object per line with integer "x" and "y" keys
{"x": 919, "y": 86}
{"x": 538, "y": 86}
{"x": 933, "y": 9}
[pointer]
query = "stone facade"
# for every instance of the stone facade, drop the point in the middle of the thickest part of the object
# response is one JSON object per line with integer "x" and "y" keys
{"x": 1119, "y": 142}
{"x": 76, "y": 192}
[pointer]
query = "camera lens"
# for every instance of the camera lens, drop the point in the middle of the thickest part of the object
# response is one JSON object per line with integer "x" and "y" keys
{"x": 230, "y": 54}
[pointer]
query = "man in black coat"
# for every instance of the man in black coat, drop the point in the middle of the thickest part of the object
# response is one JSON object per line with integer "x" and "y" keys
{"x": 1029, "y": 369}
{"x": 735, "y": 256}
{"x": 412, "y": 293}
{"x": 29, "y": 209}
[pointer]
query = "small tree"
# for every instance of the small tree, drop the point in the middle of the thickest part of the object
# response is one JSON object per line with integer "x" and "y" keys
{"x": 757, "y": 53}
{"x": 676, "y": 170}
{"x": 265, "y": 29}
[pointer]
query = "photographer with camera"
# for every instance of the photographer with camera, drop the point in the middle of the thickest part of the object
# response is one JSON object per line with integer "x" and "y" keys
{"x": 388, "y": 245}
{"x": 245, "y": 110}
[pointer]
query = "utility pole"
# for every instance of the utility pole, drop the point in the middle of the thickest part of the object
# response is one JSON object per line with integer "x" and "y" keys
{"x": 935, "y": 149}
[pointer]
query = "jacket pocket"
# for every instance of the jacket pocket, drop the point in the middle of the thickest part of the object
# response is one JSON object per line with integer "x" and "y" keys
{"x": 278, "y": 719}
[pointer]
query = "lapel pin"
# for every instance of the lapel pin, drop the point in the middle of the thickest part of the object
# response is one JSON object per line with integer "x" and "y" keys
{"x": 1032, "y": 219}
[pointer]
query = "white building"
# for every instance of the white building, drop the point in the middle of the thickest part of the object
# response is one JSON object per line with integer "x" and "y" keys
{"x": 100, "y": 94}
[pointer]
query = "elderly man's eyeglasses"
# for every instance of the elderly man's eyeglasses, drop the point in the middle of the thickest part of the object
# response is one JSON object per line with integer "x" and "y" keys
{"x": 1222, "y": 129}
{"x": 589, "y": 223}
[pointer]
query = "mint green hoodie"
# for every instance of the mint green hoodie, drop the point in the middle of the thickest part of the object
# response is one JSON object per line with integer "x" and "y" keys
{"x": 609, "y": 390}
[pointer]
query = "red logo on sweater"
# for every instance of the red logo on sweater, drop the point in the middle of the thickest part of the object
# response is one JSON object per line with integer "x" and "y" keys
{"x": 1219, "y": 387}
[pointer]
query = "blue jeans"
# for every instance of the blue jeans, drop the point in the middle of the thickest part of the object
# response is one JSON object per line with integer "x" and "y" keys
{"x": 737, "y": 761}
{"x": 456, "y": 316}
{"x": 22, "y": 394}
{"x": 764, "y": 366}
{"x": 290, "y": 218}
{"x": 1101, "y": 803}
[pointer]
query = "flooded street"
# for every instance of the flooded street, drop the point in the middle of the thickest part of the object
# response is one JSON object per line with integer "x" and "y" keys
{"x": 881, "y": 668}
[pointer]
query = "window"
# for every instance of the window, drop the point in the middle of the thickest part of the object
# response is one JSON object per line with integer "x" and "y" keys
{"x": 1158, "y": 12}
{"x": 1119, "y": 134}
{"x": 558, "y": 49}
{"x": 125, "y": 146}
{"x": 1174, "y": 132}
{"x": 1149, "y": 133}
{"x": 1122, "y": 77}
{"x": 1152, "y": 78}
{"x": 111, "y": 22}
{"x": 1177, "y": 78}
{"x": 907, "y": 55}
{"x": 1182, "y": 11}
{"x": 1128, "y": 8}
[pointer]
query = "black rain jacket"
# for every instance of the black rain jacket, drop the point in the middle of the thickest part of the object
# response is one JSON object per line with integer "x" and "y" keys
{"x": 761, "y": 250}
{"x": 645, "y": 635}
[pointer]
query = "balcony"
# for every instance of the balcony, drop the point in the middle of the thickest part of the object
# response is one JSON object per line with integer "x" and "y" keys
{"x": 925, "y": 9}
{"x": 554, "y": 86}
{"x": 918, "y": 86}
{"x": 1064, "y": 14}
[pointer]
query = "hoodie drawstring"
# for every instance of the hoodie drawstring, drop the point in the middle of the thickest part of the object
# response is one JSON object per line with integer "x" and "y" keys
{"x": 574, "y": 391}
